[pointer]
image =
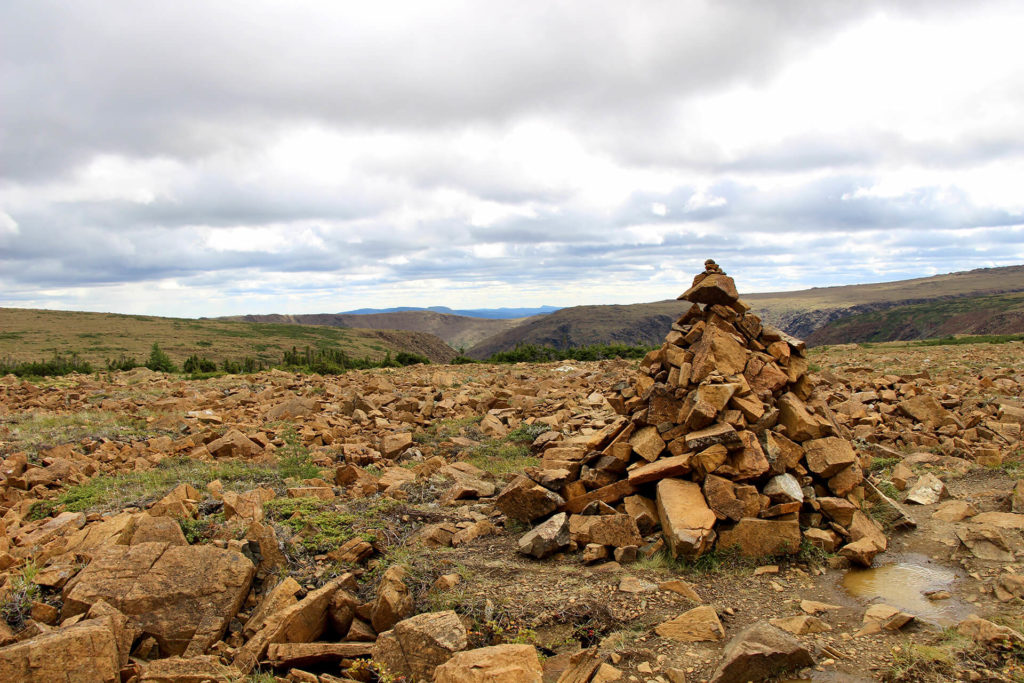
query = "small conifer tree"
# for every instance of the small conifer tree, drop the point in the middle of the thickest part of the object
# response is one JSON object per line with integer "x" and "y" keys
{"x": 159, "y": 361}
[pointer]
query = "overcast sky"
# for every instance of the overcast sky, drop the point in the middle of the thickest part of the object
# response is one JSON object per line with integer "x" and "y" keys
{"x": 214, "y": 158}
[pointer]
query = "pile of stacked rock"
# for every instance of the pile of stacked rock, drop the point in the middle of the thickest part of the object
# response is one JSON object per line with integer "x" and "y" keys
{"x": 722, "y": 442}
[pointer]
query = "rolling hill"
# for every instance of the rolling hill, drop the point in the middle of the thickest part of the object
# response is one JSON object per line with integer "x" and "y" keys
{"x": 455, "y": 330}
{"x": 645, "y": 324}
{"x": 1000, "y": 314}
{"x": 30, "y": 334}
{"x": 799, "y": 313}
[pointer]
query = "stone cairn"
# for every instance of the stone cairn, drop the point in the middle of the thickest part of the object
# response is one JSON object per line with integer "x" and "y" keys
{"x": 722, "y": 443}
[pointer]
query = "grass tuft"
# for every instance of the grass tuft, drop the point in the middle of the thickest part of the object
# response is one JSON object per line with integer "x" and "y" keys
{"x": 22, "y": 592}
{"x": 114, "y": 492}
{"x": 500, "y": 457}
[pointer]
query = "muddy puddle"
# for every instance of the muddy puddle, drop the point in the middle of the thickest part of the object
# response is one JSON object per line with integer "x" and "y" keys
{"x": 828, "y": 677}
{"x": 905, "y": 584}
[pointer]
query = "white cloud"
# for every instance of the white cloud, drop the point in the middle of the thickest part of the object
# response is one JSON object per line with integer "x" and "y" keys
{"x": 322, "y": 156}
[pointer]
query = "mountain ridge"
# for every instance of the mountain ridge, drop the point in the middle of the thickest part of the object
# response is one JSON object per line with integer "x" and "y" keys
{"x": 799, "y": 313}
{"x": 504, "y": 313}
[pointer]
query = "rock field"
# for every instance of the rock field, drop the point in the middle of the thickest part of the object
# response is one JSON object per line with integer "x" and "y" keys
{"x": 702, "y": 516}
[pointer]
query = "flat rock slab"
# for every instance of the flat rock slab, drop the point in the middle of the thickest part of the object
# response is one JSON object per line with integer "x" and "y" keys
{"x": 88, "y": 646}
{"x": 496, "y": 664}
{"x": 698, "y": 624}
{"x": 173, "y": 591}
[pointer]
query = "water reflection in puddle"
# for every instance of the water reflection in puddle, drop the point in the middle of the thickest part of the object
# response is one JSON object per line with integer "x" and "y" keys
{"x": 904, "y": 585}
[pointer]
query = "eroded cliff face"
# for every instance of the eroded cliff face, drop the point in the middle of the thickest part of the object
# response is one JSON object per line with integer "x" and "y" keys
{"x": 803, "y": 324}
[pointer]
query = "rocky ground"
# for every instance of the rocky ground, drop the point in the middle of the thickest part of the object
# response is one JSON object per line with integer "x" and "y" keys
{"x": 364, "y": 527}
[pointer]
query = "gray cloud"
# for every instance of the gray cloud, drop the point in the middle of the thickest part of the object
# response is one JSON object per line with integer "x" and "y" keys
{"x": 180, "y": 79}
{"x": 429, "y": 176}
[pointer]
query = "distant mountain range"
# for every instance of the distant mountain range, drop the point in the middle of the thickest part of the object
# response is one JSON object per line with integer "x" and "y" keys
{"x": 490, "y": 313}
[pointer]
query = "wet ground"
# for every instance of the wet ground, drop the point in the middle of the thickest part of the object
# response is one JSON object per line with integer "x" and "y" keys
{"x": 915, "y": 584}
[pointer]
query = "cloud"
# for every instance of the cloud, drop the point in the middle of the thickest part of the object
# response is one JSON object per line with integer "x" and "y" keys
{"x": 255, "y": 155}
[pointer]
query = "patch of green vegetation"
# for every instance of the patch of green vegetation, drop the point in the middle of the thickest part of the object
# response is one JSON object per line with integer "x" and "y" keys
{"x": 261, "y": 677}
{"x": 324, "y": 525}
{"x": 58, "y": 365}
{"x": 370, "y": 670}
{"x": 500, "y": 457}
{"x": 443, "y": 430}
{"x": 113, "y": 492}
{"x": 935, "y": 661}
{"x": 196, "y": 364}
{"x": 970, "y": 339}
{"x": 527, "y": 433}
{"x": 293, "y": 458}
{"x": 812, "y": 554}
{"x": 326, "y": 360}
{"x": 879, "y": 464}
{"x": 492, "y": 621}
{"x": 11, "y": 336}
{"x": 22, "y": 592}
{"x": 33, "y": 431}
{"x": 197, "y": 530}
{"x": 925, "y": 321}
{"x": 624, "y": 638}
{"x": 40, "y": 510}
{"x": 885, "y": 515}
{"x": 532, "y": 353}
{"x": 515, "y": 526}
{"x": 713, "y": 562}
{"x": 123, "y": 363}
{"x": 888, "y": 489}
{"x": 1012, "y": 464}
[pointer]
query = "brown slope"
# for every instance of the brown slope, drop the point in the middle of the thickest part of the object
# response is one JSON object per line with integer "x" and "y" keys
{"x": 585, "y": 325}
{"x": 997, "y": 314}
{"x": 456, "y": 330}
{"x": 799, "y": 313}
{"x": 802, "y": 312}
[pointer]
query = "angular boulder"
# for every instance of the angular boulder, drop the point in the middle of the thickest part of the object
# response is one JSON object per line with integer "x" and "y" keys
{"x": 686, "y": 520}
{"x": 828, "y": 456}
{"x": 525, "y": 501}
{"x": 762, "y": 537}
{"x": 698, "y": 624}
{"x": 759, "y": 652}
{"x": 496, "y": 664}
{"x": 394, "y": 600}
{"x": 925, "y": 409}
{"x": 615, "y": 530}
{"x": 927, "y": 490}
{"x": 175, "y": 592}
{"x": 547, "y": 538}
{"x": 416, "y": 646}
{"x": 300, "y": 622}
